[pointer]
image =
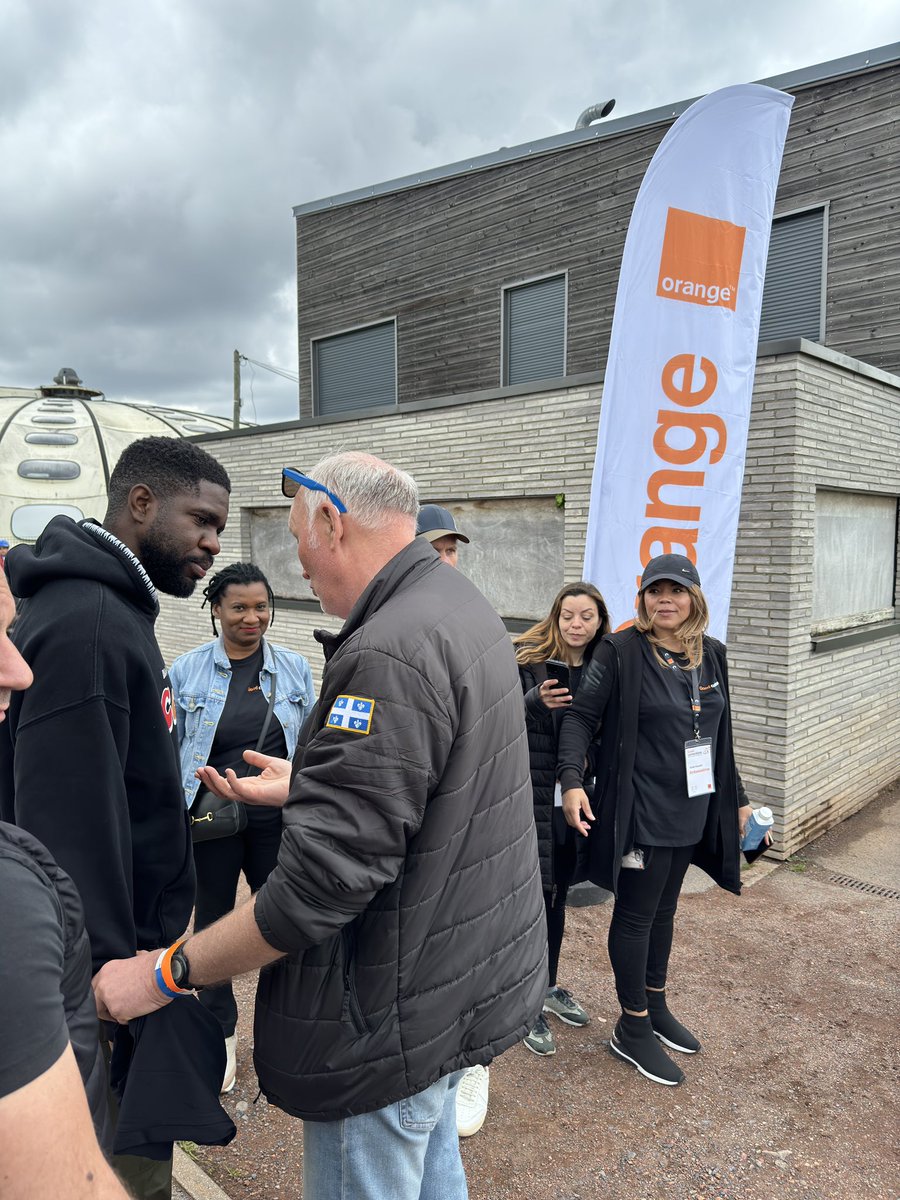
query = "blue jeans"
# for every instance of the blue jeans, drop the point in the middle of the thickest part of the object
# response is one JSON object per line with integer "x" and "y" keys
{"x": 406, "y": 1151}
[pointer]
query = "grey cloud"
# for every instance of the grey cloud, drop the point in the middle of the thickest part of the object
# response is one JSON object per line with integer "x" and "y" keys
{"x": 145, "y": 221}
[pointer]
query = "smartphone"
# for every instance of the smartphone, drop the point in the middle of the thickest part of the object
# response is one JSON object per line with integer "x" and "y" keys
{"x": 559, "y": 671}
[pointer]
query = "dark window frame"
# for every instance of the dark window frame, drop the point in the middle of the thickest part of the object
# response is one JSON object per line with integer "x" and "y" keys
{"x": 505, "y": 292}
{"x": 316, "y": 342}
{"x": 824, "y": 208}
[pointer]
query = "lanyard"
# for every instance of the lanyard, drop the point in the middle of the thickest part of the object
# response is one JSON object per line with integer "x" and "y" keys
{"x": 693, "y": 687}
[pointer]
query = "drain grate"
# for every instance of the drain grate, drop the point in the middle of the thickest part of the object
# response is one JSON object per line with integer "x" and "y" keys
{"x": 870, "y": 889}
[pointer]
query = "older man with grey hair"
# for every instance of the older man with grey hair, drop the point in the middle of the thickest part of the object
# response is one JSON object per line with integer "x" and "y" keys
{"x": 405, "y": 912}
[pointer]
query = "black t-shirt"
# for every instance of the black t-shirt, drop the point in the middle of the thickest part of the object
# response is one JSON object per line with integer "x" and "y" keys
{"x": 33, "y": 1031}
{"x": 242, "y": 719}
{"x": 664, "y": 813}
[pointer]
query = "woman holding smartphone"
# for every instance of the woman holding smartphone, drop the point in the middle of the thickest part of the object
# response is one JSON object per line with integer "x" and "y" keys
{"x": 668, "y": 793}
{"x": 551, "y": 657}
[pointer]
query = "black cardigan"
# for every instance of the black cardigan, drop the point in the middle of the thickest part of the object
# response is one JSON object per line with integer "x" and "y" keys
{"x": 606, "y": 704}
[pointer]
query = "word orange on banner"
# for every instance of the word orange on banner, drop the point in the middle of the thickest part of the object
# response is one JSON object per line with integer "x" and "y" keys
{"x": 701, "y": 260}
{"x": 679, "y": 375}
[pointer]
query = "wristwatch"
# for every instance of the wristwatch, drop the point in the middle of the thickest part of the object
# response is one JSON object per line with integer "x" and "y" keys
{"x": 171, "y": 973}
{"x": 178, "y": 964}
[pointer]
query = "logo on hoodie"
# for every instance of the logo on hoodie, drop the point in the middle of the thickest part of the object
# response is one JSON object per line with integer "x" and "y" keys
{"x": 167, "y": 701}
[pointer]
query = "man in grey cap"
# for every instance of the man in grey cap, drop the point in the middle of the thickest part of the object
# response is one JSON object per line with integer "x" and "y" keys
{"x": 436, "y": 525}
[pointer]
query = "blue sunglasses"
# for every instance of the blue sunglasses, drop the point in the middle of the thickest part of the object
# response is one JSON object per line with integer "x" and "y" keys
{"x": 293, "y": 480}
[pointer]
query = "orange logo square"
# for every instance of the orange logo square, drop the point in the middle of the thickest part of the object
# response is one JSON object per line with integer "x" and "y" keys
{"x": 701, "y": 260}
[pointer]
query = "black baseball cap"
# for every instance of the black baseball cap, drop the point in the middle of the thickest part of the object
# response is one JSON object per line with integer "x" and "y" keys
{"x": 434, "y": 522}
{"x": 674, "y": 567}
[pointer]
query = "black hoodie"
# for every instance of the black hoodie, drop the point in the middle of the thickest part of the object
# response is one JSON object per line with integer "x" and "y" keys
{"x": 89, "y": 754}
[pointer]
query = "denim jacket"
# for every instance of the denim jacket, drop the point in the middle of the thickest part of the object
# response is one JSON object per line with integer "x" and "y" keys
{"x": 200, "y": 681}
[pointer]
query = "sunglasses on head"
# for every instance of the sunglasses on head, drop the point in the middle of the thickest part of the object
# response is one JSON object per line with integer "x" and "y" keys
{"x": 293, "y": 480}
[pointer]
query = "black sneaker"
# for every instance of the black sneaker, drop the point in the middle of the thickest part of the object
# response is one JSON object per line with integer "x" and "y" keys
{"x": 669, "y": 1031}
{"x": 633, "y": 1040}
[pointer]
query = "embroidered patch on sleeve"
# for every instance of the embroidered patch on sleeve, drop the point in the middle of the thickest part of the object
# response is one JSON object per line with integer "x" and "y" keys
{"x": 353, "y": 713}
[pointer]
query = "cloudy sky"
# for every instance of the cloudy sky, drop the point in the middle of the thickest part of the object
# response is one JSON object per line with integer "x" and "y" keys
{"x": 152, "y": 152}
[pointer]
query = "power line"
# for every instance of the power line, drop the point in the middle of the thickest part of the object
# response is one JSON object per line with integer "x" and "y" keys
{"x": 271, "y": 367}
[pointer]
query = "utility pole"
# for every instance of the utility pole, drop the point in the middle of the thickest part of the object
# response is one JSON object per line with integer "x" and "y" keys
{"x": 237, "y": 390}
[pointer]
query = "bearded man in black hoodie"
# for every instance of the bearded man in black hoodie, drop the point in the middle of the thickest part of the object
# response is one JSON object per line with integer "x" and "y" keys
{"x": 89, "y": 755}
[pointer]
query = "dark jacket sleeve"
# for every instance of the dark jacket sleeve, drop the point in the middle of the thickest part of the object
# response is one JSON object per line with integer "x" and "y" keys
{"x": 71, "y": 733}
{"x": 354, "y": 804}
{"x": 33, "y": 1030}
{"x": 722, "y": 656}
{"x": 70, "y": 793}
{"x": 583, "y": 719}
{"x": 531, "y": 676}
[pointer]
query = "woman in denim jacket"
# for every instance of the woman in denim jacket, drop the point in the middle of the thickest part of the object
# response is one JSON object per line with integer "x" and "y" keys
{"x": 222, "y": 692}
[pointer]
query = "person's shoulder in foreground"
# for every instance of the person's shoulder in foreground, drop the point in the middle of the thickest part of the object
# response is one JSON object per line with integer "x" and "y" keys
{"x": 48, "y": 1140}
{"x": 48, "y": 1146}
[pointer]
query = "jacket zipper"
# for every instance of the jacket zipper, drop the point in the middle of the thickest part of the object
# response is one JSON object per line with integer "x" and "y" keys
{"x": 353, "y": 1004}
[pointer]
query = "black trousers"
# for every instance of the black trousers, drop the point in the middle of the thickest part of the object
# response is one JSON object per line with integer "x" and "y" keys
{"x": 219, "y": 864}
{"x": 565, "y": 857}
{"x": 640, "y": 932}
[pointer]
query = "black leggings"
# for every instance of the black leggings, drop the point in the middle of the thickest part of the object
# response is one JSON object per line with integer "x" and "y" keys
{"x": 219, "y": 864}
{"x": 564, "y": 862}
{"x": 640, "y": 932}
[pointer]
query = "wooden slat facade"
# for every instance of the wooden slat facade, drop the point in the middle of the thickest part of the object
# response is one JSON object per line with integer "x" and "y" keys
{"x": 437, "y": 256}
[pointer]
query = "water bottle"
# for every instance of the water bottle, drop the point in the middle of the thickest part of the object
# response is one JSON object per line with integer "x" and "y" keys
{"x": 761, "y": 821}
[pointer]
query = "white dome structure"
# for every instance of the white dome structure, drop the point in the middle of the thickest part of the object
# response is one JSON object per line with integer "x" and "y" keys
{"x": 59, "y": 444}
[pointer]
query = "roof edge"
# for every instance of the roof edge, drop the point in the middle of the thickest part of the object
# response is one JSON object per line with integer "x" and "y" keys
{"x": 797, "y": 80}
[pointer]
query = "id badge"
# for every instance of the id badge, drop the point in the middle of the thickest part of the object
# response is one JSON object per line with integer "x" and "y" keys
{"x": 699, "y": 766}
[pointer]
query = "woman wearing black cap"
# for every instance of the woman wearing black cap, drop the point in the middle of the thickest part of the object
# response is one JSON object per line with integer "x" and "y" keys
{"x": 668, "y": 793}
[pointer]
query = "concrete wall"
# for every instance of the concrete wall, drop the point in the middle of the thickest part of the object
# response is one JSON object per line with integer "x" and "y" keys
{"x": 818, "y": 730}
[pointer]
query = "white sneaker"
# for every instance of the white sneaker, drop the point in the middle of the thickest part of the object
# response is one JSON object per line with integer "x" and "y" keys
{"x": 230, "y": 1063}
{"x": 472, "y": 1101}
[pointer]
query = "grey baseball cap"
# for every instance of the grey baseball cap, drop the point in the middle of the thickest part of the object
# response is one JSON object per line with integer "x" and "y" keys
{"x": 674, "y": 567}
{"x": 434, "y": 522}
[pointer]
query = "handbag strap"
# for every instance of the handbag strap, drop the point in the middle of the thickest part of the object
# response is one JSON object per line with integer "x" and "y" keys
{"x": 267, "y": 722}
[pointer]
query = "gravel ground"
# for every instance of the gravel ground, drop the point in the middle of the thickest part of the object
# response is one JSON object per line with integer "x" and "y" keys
{"x": 793, "y": 991}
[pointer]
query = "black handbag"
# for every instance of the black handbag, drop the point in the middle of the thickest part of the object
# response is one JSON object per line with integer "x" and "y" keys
{"x": 213, "y": 816}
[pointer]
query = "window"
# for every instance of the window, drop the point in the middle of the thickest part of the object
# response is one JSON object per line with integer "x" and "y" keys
{"x": 355, "y": 370}
{"x": 507, "y": 538}
{"x": 49, "y": 468}
{"x": 28, "y": 520}
{"x": 534, "y": 331}
{"x": 56, "y": 419}
{"x": 793, "y": 303}
{"x": 51, "y": 439}
{"x": 855, "y": 553}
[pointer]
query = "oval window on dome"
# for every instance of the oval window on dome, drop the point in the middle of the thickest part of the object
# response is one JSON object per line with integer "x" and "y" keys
{"x": 28, "y": 520}
{"x": 56, "y": 419}
{"x": 49, "y": 468}
{"x": 51, "y": 439}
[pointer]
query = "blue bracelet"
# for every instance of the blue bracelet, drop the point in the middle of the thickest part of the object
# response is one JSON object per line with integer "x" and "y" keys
{"x": 163, "y": 986}
{"x": 161, "y": 983}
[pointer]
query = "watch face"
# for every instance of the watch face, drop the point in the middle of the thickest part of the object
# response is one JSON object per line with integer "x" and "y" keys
{"x": 179, "y": 968}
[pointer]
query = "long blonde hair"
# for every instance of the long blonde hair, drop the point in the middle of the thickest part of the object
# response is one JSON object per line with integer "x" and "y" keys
{"x": 689, "y": 632}
{"x": 543, "y": 640}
